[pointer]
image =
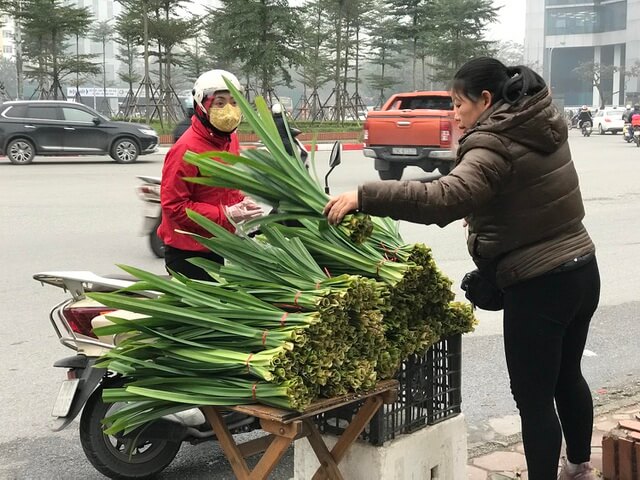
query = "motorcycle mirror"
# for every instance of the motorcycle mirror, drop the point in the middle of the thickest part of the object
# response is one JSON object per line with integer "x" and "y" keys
{"x": 334, "y": 160}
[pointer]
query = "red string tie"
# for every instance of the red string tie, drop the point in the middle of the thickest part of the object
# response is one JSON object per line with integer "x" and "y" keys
{"x": 248, "y": 362}
{"x": 295, "y": 299}
{"x": 264, "y": 338}
{"x": 283, "y": 319}
{"x": 253, "y": 391}
{"x": 326, "y": 270}
{"x": 380, "y": 264}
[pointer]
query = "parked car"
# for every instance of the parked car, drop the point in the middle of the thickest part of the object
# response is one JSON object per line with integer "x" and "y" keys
{"x": 411, "y": 129}
{"x": 608, "y": 120}
{"x": 43, "y": 127}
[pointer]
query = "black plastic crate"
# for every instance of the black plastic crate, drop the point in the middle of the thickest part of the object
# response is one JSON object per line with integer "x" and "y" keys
{"x": 429, "y": 393}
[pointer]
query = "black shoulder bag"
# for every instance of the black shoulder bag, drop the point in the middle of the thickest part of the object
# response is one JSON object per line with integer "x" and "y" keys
{"x": 481, "y": 290}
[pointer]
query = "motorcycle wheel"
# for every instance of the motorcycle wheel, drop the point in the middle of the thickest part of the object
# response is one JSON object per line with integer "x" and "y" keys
{"x": 156, "y": 245}
{"x": 121, "y": 458}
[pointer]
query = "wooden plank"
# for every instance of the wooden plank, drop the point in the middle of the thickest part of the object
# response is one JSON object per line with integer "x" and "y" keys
{"x": 634, "y": 436}
{"x": 328, "y": 467}
{"x": 227, "y": 443}
{"x": 257, "y": 445}
{"x": 353, "y": 430}
{"x": 319, "y": 406}
{"x": 289, "y": 430}
{"x": 356, "y": 426}
{"x": 271, "y": 458}
{"x": 630, "y": 425}
{"x": 636, "y": 448}
{"x": 609, "y": 458}
{"x": 625, "y": 452}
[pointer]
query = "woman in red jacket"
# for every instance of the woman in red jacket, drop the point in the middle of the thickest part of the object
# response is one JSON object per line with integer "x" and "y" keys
{"x": 213, "y": 126}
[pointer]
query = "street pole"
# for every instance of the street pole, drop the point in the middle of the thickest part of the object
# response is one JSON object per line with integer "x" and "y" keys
{"x": 550, "y": 67}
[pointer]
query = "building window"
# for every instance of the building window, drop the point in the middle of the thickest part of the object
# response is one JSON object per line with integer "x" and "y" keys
{"x": 7, "y": 49}
{"x": 586, "y": 18}
{"x": 7, "y": 33}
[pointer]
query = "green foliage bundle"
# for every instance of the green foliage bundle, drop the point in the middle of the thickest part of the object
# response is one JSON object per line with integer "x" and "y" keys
{"x": 295, "y": 313}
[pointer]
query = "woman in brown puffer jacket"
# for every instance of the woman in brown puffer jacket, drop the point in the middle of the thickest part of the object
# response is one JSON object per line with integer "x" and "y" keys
{"x": 516, "y": 186}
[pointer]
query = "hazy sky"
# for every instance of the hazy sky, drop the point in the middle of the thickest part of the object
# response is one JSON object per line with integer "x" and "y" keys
{"x": 510, "y": 25}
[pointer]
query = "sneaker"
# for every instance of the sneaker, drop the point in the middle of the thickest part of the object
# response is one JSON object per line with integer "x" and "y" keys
{"x": 585, "y": 472}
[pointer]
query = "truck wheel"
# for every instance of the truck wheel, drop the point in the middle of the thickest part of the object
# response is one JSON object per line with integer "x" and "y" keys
{"x": 394, "y": 173}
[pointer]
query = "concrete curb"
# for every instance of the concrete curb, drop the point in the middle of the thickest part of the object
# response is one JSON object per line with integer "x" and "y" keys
{"x": 319, "y": 147}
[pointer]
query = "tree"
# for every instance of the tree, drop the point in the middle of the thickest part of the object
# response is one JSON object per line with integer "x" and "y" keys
{"x": 630, "y": 72}
{"x": 47, "y": 26}
{"x": 127, "y": 29}
{"x": 261, "y": 35}
{"x": 102, "y": 33}
{"x": 508, "y": 52}
{"x": 170, "y": 31}
{"x": 384, "y": 54}
{"x": 8, "y": 77}
{"x": 458, "y": 34}
{"x": 195, "y": 61}
{"x": 595, "y": 73}
{"x": 13, "y": 9}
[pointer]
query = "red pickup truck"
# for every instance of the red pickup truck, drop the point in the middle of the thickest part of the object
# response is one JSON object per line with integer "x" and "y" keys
{"x": 411, "y": 129}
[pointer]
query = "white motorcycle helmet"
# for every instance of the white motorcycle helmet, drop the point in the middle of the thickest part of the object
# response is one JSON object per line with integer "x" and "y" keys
{"x": 211, "y": 82}
{"x": 276, "y": 109}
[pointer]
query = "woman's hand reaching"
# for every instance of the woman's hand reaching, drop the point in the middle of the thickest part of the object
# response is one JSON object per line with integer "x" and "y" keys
{"x": 341, "y": 205}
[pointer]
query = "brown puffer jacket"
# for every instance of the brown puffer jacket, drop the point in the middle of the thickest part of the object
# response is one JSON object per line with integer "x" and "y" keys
{"x": 515, "y": 183}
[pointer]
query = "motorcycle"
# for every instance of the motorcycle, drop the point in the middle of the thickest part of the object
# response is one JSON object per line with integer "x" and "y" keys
{"x": 627, "y": 133}
{"x": 586, "y": 129}
{"x": 146, "y": 450}
{"x": 302, "y": 151}
{"x": 636, "y": 135}
{"x": 149, "y": 192}
{"x": 149, "y": 449}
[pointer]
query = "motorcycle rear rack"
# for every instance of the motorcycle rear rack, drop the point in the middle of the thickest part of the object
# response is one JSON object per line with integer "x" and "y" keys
{"x": 79, "y": 282}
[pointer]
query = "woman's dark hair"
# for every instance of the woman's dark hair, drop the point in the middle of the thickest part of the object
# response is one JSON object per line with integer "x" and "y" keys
{"x": 504, "y": 83}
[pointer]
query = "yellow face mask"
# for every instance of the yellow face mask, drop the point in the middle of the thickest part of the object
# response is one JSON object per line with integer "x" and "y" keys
{"x": 225, "y": 119}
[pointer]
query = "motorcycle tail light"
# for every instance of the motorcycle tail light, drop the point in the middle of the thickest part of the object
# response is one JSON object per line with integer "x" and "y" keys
{"x": 147, "y": 192}
{"x": 79, "y": 318}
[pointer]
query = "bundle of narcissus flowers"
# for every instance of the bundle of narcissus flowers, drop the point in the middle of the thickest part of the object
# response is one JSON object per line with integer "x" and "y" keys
{"x": 296, "y": 312}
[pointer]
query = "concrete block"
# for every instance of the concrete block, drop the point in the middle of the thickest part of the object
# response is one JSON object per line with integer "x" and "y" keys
{"x": 437, "y": 452}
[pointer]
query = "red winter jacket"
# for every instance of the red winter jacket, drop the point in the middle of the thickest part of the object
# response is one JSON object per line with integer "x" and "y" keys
{"x": 177, "y": 195}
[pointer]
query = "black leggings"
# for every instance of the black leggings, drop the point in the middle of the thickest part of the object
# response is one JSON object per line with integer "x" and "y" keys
{"x": 546, "y": 321}
{"x": 177, "y": 260}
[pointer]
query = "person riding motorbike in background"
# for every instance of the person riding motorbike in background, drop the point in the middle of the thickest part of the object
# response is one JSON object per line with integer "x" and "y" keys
{"x": 584, "y": 116}
{"x": 213, "y": 125}
{"x": 634, "y": 112}
{"x": 626, "y": 116}
{"x": 278, "y": 114}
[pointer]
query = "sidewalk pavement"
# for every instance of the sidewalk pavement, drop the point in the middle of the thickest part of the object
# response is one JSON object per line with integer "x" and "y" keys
{"x": 509, "y": 459}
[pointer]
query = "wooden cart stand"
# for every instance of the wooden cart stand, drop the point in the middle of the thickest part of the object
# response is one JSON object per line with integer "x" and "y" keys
{"x": 286, "y": 426}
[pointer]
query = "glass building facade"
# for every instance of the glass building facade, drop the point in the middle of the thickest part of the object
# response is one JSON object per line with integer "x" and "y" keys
{"x": 564, "y": 38}
{"x": 563, "y": 17}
